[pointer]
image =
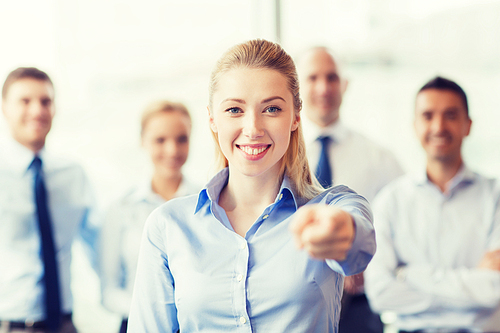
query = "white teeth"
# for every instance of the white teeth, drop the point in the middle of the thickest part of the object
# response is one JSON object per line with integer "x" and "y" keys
{"x": 252, "y": 151}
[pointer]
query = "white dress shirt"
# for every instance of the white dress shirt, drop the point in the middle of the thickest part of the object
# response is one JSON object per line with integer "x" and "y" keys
{"x": 70, "y": 201}
{"x": 121, "y": 238}
{"x": 429, "y": 245}
{"x": 356, "y": 161}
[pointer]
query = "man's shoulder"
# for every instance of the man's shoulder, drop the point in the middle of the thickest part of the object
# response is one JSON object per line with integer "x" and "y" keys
{"x": 65, "y": 171}
{"x": 399, "y": 188}
{"x": 60, "y": 162}
{"x": 363, "y": 142}
{"x": 487, "y": 183}
{"x": 373, "y": 154}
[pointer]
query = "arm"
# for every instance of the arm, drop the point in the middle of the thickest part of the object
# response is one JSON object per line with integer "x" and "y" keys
{"x": 465, "y": 287}
{"x": 90, "y": 222}
{"x": 393, "y": 285}
{"x": 461, "y": 288}
{"x": 384, "y": 290}
{"x": 339, "y": 232}
{"x": 153, "y": 305}
{"x": 114, "y": 297}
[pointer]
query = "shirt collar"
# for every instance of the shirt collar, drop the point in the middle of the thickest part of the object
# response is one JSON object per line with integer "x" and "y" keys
{"x": 337, "y": 131}
{"x": 464, "y": 176}
{"x": 19, "y": 157}
{"x": 144, "y": 191}
{"x": 214, "y": 187}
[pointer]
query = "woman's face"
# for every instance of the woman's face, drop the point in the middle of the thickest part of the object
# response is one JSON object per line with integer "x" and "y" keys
{"x": 252, "y": 114}
{"x": 166, "y": 138}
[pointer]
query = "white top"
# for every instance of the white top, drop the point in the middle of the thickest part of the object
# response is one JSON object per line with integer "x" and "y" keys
{"x": 428, "y": 247}
{"x": 121, "y": 238}
{"x": 70, "y": 201}
{"x": 356, "y": 161}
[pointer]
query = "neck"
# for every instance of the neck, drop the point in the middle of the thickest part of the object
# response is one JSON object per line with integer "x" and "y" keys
{"x": 35, "y": 147}
{"x": 322, "y": 123}
{"x": 250, "y": 191}
{"x": 166, "y": 186}
{"x": 441, "y": 172}
{"x": 244, "y": 198}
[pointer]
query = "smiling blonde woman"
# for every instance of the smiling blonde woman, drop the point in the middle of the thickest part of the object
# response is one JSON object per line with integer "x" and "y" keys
{"x": 262, "y": 248}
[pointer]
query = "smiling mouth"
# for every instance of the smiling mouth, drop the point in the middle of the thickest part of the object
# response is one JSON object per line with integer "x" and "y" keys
{"x": 253, "y": 151}
{"x": 439, "y": 140}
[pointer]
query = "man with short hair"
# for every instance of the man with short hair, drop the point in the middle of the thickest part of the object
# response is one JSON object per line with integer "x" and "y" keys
{"x": 341, "y": 156}
{"x": 44, "y": 203}
{"x": 437, "y": 264}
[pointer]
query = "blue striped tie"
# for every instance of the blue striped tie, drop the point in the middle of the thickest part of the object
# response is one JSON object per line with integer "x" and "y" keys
{"x": 324, "y": 170}
{"x": 50, "y": 278}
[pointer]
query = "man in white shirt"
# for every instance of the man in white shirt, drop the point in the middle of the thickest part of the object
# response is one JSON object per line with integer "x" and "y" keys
{"x": 45, "y": 202}
{"x": 348, "y": 158}
{"x": 437, "y": 264}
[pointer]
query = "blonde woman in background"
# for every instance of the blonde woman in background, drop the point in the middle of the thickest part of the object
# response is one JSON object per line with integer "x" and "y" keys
{"x": 262, "y": 248}
{"x": 165, "y": 131}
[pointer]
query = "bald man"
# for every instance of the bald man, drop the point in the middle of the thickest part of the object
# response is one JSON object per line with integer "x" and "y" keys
{"x": 341, "y": 156}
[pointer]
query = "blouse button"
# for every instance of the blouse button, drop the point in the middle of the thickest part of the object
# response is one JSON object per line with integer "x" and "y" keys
{"x": 265, "y": 217}
{"x": 243, "y": 245}
{"x": 280, "y": 197}
{"x": 239, "y": 277}
{"x": 243, "y": 320}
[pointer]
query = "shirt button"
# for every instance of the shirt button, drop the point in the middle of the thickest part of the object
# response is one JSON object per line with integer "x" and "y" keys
{"x": 239, "y": 277}
{"x": 243, "y": 246}
{"x": 243, "y": 320}
{"x": 265, "y": 217}
{"x": 280, "y": 197}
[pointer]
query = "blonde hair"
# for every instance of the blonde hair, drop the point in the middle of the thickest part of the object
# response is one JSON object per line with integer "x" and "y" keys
{"x": 263, "y": 54}
{"x": 159, "y": 107}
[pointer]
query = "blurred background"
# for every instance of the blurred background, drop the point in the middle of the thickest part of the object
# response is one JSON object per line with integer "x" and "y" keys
{"x": 109, "y": 59}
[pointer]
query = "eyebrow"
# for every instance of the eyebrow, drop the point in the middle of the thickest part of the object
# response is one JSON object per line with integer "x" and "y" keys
{"x": 267, "y": 100}
{"x": 234, "y": 100}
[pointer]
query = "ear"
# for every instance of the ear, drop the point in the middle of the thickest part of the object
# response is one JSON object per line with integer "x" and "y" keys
{"x": 142, "y": 140}
{"x": 344, "y": 84}
{"x": 296, "y": 122}
{"x": 468, "y": 126}
{"x": 211, "y": 121}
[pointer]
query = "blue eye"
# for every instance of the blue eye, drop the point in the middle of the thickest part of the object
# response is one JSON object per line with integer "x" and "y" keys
{"x": 273, "y": 109}
{"x": 233, "y": 110}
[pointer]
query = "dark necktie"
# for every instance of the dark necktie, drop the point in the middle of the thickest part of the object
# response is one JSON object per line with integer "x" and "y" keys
{"x": 50, "y": 277}
{"x": 324, "y": 170}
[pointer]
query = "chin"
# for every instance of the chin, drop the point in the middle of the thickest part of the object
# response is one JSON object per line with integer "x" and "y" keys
{"x": 442, "y": 157}
{"x": 169, "y": 172}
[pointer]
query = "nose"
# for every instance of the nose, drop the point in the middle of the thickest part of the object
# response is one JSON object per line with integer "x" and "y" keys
{"x": 323, "y": 87}
{"x": 438, "y": 124}
{"x": 171, "y": 148}
{"x": 39, "y": 109}
{"x": 253, "y": 125}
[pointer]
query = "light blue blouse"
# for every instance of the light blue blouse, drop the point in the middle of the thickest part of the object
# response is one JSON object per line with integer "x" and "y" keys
{"x": 197, "y": 275}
